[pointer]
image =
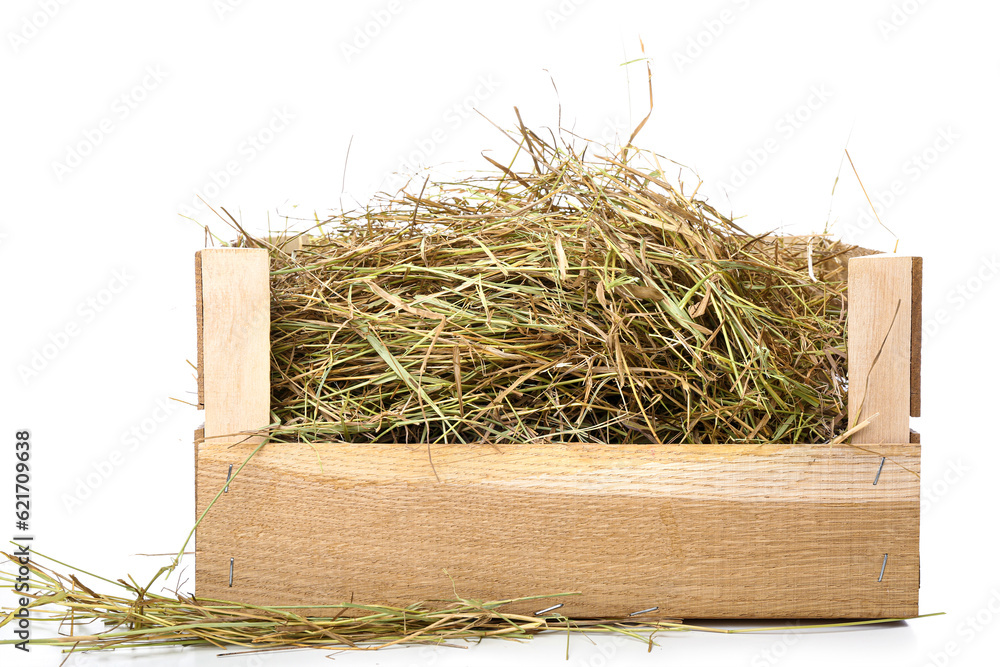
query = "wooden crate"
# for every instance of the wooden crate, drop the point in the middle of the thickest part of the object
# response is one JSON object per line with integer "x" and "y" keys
{"x": 694, "y": 531}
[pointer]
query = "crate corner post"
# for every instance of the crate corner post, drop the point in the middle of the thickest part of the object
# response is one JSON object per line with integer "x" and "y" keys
{"x": 885, "y": 294}
{"x": 233, "y": 323}
{"x": 883, "y": 337}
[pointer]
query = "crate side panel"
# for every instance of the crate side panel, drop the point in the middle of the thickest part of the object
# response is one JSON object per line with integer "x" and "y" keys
{"x": 700, "y": 531}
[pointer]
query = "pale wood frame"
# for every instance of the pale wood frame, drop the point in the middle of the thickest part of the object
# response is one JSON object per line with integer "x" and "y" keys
{"x": 697, "y": 531}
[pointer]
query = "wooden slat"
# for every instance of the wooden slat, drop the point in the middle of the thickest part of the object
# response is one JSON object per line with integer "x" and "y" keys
{"x": 201, "y": 333}
{"x": 291, "y": 243}
{"x": 233, "y": 342}
{"x": 699, "y": 531}
{"x": 880, "y": 344}
{"x": 916, "y": 333}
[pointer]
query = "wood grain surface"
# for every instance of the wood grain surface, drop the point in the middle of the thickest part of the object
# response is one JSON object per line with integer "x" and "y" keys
{"x": 881, "y": 346}
{"x": 699, "y": 531}
{"x": 916, "y": 332}
{"x": 233, "y": 341}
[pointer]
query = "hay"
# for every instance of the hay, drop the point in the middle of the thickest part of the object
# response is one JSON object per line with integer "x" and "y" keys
{"x": 578, "y": 299}
{"x": 137, "y": 617}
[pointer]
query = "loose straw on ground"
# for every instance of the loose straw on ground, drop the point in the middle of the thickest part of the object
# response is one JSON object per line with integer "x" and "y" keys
{"x": 136, "y": 617}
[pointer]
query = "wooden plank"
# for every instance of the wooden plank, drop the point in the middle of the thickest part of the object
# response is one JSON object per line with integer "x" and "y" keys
{"x": 291, "y": 244}
{"x": 879, "y": 346}
{"x": 916, "y": 333}
{"x": 838, "y": 265}
{"x": 288, "y": 243}
{"x": 233, "y": 342}
{"x": 201, "y": 333}
{"x": 719, "y": 531}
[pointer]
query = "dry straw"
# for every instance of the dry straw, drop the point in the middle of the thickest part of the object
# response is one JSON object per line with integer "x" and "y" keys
{"x": 578, "y": 299}
{"x": 81, "y": 619}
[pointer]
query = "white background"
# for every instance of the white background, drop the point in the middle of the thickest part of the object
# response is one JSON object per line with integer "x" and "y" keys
{"x": 117, "y": 116}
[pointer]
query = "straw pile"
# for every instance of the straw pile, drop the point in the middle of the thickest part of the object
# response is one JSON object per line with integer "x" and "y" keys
{"x": 577, "y": 299}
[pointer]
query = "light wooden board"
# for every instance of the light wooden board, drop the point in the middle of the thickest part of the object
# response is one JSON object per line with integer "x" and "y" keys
{"x": 290, "y": 243}
{"x": 916, "y": 332}
{"x": 233, "y": 341}
{"x": 696, "y": 530}
{"x": 883, "y": 350}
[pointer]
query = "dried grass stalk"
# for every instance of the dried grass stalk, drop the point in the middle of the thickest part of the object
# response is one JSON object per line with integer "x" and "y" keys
{"x": 135, "y": 616}
{"x": 578, "y": 299}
